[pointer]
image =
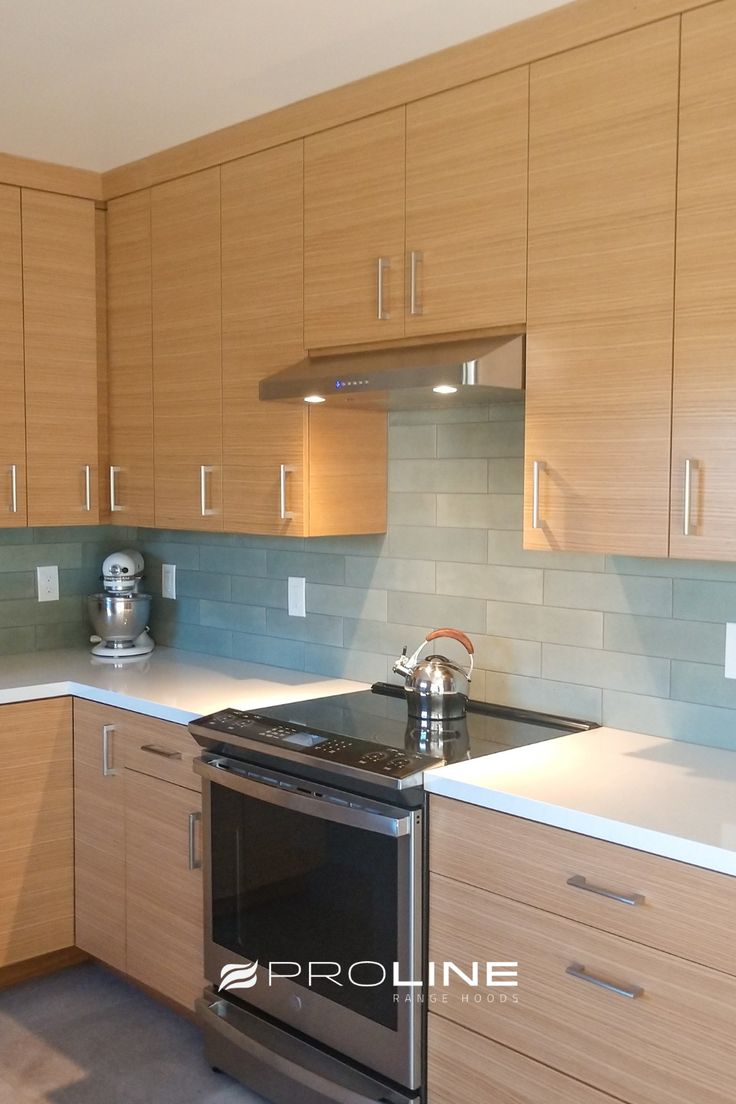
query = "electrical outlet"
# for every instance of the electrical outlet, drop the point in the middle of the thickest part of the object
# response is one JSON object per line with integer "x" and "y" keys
{"x": 297, "y": 593}
{"x": 47, "y": 583}
{"x": 168, "y": 580}
{"x": 731, "y": 651}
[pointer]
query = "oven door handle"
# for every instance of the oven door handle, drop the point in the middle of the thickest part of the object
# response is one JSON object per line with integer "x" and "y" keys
{"x": 223, "y": 772}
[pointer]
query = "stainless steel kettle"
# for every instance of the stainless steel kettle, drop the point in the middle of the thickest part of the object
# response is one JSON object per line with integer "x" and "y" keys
{"x": 436, "y": 688}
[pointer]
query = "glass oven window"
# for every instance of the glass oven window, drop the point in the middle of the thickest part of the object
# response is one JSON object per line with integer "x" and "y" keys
{"x": 289, "y": 887}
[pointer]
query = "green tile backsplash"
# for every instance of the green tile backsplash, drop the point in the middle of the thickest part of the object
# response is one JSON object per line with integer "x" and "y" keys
{"x": 635, "y": 643}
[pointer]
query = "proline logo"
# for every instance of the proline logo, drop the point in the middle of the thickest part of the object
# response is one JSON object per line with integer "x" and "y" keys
{"x": 489, "y": 975}
{"x": 237, "y": 976}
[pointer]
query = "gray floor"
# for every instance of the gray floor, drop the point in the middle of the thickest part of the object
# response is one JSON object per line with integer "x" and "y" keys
{"x": 83, "y": 1036}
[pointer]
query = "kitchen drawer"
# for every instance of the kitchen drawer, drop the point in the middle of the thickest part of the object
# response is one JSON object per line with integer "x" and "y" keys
{"x": 685, "y": 910}
{"x": 159, "y": 748}
{"x": 672, "y": 1044}
{"x": 465, "y": 1068}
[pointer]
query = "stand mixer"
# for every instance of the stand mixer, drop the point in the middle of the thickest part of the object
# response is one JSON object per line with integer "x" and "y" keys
{"x": 119, "y": 614}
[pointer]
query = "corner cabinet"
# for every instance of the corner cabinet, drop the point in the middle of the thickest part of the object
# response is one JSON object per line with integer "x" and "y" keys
{"x": 602, "y": 182}
{"x": 12, "y": 382}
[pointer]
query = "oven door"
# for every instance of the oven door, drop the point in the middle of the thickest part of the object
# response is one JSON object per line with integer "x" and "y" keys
{"x": 323, "y": 891}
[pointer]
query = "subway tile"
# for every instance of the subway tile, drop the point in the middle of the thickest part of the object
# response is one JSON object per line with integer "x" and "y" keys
{"x": 316, "y": 567}
{"x": 516, "y": 657}
{"x": 18, "y": 536}
{"x": 672, "y": 569}
{"x": 228, "y": 615}
{"x": 194, "y": 638}
{"x": 25, "y": 557}
{"x": 505, "y": 547}
{"x": 703, "y": 600}
{"x": 340, "y": 663}
{"x": 412, "y": 509}
{"x": 343, "y": 601}
{"x": 16, "y": 640}
{"x": 66, "y": 634}
{"x": 547, "y": 624}
{"x": 315, "y": 628}
{"x": 381, "y": 637}
{"x": 449, "y": 476}
{"x": 703, "y": 683}
{"x": 253, "y": 591}
{"x": 429, "y": 542}
{"x": 359, "y": 545}
{"x": 511, "y": 411}
{"x": 506, "y": 475}
{"x": 185, "y": 556}
{"x": 440, "y": 415}
{"x": 470, "y": 511}
{"x": 482, "y": 439}
{"x": 77, "y": 534}
{"x": 388, "y": 573}
{"x": 175, "y": 609}
{"x": 17, "y": 584}
{"x": 72, "y": 580}
{"x": 468, "y": 614}
{"x": 675, "y": 720}
{"x": 565, "y": 699}
{"x": 609, "y": 593}
{"x": 412, "y": 441}
{"x": 229, "y": 560}
{"x": 515, "y": 584}
{"x": 607, "y": 670}
{"x": 271, "y": 650}
{"x": 700, "y": 641}
{"x": 27, "y": 611}
{"x": 203, "y": 584}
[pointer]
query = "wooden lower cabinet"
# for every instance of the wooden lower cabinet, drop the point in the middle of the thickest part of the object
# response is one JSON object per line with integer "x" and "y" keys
{"x": 36, "y": 829}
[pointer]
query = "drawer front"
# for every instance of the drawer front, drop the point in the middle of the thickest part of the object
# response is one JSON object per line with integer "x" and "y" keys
{"x": 160, "y": 749}
{"x": 465, "y": 1068}
{"x": 671, "y": 1044}
{"x": 679, "y": 908}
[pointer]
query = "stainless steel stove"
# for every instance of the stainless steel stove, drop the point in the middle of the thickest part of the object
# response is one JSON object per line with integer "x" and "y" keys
{"x": 315, "y": 829}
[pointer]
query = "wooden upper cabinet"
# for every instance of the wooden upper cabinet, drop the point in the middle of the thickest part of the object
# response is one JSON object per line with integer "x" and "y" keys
{"x": 354, "y": 232}
{"x": 466, "y": 200}
{"x": 187, "y": 375}
{"x": 12, "y": 383}
{"x": 130, "y": 360}
{"x": 704, "y": 393}
{"x": 60, "y": 358}
{"x": 602, "y": 173}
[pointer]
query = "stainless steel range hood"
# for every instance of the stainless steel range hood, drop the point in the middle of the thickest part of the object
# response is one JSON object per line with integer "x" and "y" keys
{"x": 459, "y": 372}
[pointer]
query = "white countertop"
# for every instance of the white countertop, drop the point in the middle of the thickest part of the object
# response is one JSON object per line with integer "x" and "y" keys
{"x": 170, "y": 684}
{"x": 667, "y": 797}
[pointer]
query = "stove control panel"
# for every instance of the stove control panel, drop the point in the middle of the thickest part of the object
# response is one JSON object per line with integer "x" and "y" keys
{"x": 347, "y": 751}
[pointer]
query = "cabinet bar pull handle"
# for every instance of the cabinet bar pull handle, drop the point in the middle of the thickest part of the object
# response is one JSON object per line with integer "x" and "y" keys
{"x": 687, "y": 505}
{"x": 581, "y": 974}
{"x": 107, "y": 767}
{"x": 165, "y": 753}
{"x": 87, "y": 488}
{"x": 416, "y": 257}
{"x": 383, "y": 264}
{"x": 114, "y": 507}
{"x": 14, "y": 488}
{"x": 284, "y": 470}
{"x": 537, "y": 467}
{"x": 204, "y": 471}
{"x": 579, "y": 882}
{"x": 193, "y": 819}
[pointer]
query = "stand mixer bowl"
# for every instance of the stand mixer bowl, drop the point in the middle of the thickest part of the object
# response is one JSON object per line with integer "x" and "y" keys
{"x": 119, "y": 618}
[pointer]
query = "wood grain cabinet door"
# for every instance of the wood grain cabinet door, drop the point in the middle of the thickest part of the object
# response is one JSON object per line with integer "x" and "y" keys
{"x": 187, "y": 371}
{"x": 60, "y": 321}
{"x": 130, "y": 360}
{"x": 704, "y": 393}
{"x": 36, "y": 829}
{"x": 354, "y": 231}
{"x": 602, "y": 173}
{"x": 466, "y": 200}
{"x": 164, "y": 915}
{"x": 99, "y": 832}
{"x": 12, "y": 383}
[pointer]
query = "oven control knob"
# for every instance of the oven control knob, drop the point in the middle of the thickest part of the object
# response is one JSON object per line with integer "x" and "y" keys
{"x": 295, "y": 1002}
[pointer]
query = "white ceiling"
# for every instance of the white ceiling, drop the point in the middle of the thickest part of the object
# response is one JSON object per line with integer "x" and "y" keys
{"x": 96, "y": 83}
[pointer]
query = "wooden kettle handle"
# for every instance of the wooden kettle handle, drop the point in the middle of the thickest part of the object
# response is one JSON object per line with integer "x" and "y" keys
{"x": 454, "y": 634}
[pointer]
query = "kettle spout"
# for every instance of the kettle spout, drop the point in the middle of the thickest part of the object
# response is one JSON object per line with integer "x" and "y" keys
{"x": 403, "y": 665}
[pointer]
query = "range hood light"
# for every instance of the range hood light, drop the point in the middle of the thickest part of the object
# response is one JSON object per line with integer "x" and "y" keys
{"x": 314, "y": 398}
{"x": 444, "y": 389}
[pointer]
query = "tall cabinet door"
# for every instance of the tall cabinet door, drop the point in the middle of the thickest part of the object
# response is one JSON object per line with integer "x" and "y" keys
{"x": 12, "y": 383}
{"x": 263, "y": 443}
{"x": 187, "y": 371}
{"x": 704, "y": 393}
{"x": 354, "y": 231}
{"x": 130, "y": 360}
{"x": 466, "y": 197}
{"x": 602, "y": 173}
{"x": 60, "y": 358}
{"x": 99, "y": 833}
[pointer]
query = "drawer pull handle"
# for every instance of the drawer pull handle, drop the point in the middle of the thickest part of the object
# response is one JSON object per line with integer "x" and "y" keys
{"x": 165, "y": 753}
{"x": 193, "y": 820}
{"x": 579, "y": 882}
{"x": 581, "y": 974}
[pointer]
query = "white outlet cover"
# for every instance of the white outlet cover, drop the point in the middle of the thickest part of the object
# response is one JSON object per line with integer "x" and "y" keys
{"x": 47, "y": 583}
{"x": 730, "y": 651}
{"x": 168, "y": 580}
{"x": 297, "y": 596}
